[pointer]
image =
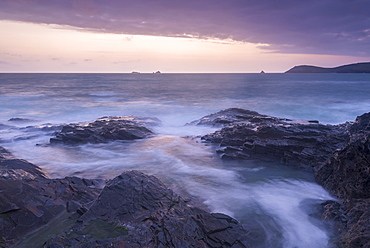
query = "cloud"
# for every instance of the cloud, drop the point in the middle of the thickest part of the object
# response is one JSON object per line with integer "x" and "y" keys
{"x": 11, "y": 54}
{"x": 338, "y": 27}
{"x": 5, "y": 63}
{"x": 126, "y": 61}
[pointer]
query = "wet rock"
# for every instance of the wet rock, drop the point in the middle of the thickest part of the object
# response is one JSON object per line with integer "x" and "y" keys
{"x": 338, "y": 154}
{"x": 13, "y": 168}
{"x": 256, "y": 136}
{"x": 106, "y": 129}
{"x": 42, "y": 204}
{"x": 358, "y": 225}
{"x": 347, "y": 176}
{"x": 234, "y": 116}
{"x": 347, "y": 173}
{"x": 141, "y": 212}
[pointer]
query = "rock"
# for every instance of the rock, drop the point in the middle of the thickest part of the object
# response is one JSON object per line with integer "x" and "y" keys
{"x": 347, "y": 176}
{"x": 17, "y": 119}
{"x": 250, "y": 135}
{"x": 234, "y": 116}
{"x": 42, "y": 205}
{"x": 13, "y": 168}
{"x": 347, "y": 173}
{"x": 133, "y": 210}
{"x": 360, "y": 127}
{"x": 338, "y": 154}
{"x": 140, "y": 211}
{"x": 106, "y": 129}
{"x": 358, "y": 225}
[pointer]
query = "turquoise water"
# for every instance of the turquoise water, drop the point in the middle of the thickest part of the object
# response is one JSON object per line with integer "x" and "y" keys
{"x": 264, "y": 196}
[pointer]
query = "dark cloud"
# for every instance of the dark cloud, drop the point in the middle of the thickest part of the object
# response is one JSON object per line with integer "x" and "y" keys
{"x": 339, "y": 27}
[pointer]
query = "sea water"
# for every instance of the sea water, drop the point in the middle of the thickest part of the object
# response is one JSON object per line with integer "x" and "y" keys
{"x": 266, "y": 197}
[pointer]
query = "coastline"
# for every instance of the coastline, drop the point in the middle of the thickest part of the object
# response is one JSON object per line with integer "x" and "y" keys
{"x": 236, "y": 125}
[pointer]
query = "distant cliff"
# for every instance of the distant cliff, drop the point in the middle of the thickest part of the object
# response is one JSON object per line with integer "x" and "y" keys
{"x": 352, "y": 68}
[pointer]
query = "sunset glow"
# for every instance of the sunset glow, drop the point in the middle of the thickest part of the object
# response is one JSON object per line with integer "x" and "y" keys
{"x": 88, "y": 36}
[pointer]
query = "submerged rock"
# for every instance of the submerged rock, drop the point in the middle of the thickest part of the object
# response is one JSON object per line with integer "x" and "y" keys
{"x": 250, "y": 135}
{"x": 106, "y": 129}
{"x": 142, "y": 212}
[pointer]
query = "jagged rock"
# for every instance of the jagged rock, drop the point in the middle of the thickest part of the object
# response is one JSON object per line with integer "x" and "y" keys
{"x": 360, "y": 127}
{"x": 13, "y": 168}
{"x": 347, "y": 176}
{"x": 256, "y": 136}
{"x": 358, "y": 225}
{"x": 41, "y": 204}
{"x": 141, "y": 212}
{"x": 347, "y": 173}
{"x": 234, "y": 116}
{"x": 106, "y": 129}
{"x": 133, "y": 210}
{"x": 339, "y": 155}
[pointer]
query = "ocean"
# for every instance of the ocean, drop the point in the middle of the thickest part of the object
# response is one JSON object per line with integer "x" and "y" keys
{"x": 274, "y": 198}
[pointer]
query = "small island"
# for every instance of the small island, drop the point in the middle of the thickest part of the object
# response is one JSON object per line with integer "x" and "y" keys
{"x": 351, "y": 68}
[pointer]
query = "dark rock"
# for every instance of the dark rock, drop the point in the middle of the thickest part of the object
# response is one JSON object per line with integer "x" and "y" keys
{"x": 17, "y": 119}
{"x": 332, "y": 210}
{"x": 40, "y": 204}
{"x": 256, "y": 136}
{"x": 233, "y": 116}
{"x": 338, "y": 154}
{"x": 347, "y": 175}
{"x": 358, "y": 226}
{"x": 106, "y": 129}
{"x": 141, "y": 212}
{"x": 360, "y": 127}
{"x": 13, "y": 168}
{"x": 133, "y": 210}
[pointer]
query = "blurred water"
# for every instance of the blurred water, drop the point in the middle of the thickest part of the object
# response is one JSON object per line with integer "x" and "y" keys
{"x": 265, "y": 196}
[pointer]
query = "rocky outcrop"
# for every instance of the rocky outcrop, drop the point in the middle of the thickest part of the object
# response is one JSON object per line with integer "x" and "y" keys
{"x": 351, "y": 68}
{"x": 40, "y": 207}
{"x": 347, "y": 176}
{"x": 338, "y": 154}
{"x": 144, "y": 213}
{"x": 13, "y": 168}
{"x": 132, "y": 210}
{"x": 106, "y": 129}
{"x": 234, "y": 116}
{"x": 250, "y": 135}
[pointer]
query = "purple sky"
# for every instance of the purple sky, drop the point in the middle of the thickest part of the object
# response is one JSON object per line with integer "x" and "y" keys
{"x": 334, "y": 27}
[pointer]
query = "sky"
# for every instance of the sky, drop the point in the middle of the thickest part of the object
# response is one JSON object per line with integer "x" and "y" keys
{"x": 172, "y": 36}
